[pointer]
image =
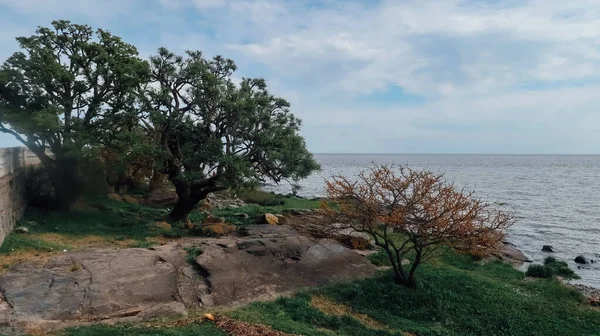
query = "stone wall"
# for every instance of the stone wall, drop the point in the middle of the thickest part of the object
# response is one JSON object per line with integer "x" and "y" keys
{"x": 13, "y": 160}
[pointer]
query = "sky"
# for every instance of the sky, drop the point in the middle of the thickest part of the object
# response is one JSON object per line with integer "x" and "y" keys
{"x": 382, "y": 76}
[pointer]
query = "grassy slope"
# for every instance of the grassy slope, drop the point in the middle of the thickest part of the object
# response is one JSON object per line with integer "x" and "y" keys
{"x": 455, "y": 297}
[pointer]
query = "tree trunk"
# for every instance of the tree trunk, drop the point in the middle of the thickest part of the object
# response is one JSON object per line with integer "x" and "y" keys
{"x": 182, "y": 210}
{"x": 407, "y": 282}
{"x": 65, "y": 188}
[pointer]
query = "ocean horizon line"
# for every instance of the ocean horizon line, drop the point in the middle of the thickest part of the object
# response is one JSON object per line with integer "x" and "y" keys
{"x": 466, "y": 154}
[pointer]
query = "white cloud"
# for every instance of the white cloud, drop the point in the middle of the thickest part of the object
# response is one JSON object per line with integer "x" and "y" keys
{"x": 529, "y": 70}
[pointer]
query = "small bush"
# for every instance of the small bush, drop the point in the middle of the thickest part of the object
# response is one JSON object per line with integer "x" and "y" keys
{"x": 551, "y": 268}
{"x": 193, "y": 253}
{"x": 560, "y": 268}
{"x": 39, "y": 189}
{"x": 539, "y": 271}
{"x": 261, "y": 198}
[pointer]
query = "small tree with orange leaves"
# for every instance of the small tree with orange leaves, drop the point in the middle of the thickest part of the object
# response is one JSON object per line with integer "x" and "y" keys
{"x": 409, "y": 212}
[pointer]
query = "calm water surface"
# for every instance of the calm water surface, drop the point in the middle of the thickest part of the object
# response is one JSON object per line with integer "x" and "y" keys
{"x": 555, "y": 198}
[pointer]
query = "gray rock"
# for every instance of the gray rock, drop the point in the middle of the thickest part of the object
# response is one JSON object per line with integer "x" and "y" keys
{"x": 548, "y": 248}
{"x": 107, "y": 284}
{"x": 581, "y": 259}
{"x": 21, "y": 229}
{"x": 509, "y": 254}
{"x": 273, "y": 260}
{"x": 136, "y": 284}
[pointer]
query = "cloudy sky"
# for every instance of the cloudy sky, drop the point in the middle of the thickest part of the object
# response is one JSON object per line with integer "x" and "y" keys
{"x": 401, "y": 76}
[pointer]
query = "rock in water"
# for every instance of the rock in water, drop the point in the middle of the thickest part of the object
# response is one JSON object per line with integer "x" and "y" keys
{"x": 580, "y": 259}
{"x": 548, "y": 248}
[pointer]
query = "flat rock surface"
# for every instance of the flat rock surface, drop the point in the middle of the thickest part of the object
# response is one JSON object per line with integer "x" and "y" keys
{"x": 274, "y": 260}
{"x": 97, "y": 285}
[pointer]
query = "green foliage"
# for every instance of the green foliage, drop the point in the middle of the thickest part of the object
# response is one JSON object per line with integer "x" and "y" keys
{"x": 66, "y": 85}
{"x": 539, "y": 271}
{"x": 203, "y": 329}
{"x": 22, "y": 242}
{"x": 193, "y": 253}
{"x": 551, "y": 268}
{"x": 255, "y": 196}
{"x": 455, "y": 297}
{"x": 247, "y": 134}
{"x": 116, "y": 222}
{"x": 39, "y": 190}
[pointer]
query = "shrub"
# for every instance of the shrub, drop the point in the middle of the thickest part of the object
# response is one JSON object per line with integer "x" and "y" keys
{"x": 193, "y": 253}
{"x": 407, "y": 211}
{"x": 39, "y": 189}
{"x": 539, "y": 271}
{"x": 560, "y": 268}
{"x": 261, "y": 198}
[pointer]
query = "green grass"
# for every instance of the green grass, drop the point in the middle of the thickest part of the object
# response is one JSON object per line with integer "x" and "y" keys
{"x": 455, "y": 296}
{"x": 116, "y": 222}
{"x": 550, "y": 269}
{"x": 255, "y": 210}
{"x": 193, "y": 253}
{"x": 203, "y": 329}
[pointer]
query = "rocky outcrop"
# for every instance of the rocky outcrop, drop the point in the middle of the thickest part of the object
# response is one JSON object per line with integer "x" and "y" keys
{"x": 274, "y": 260}
{"x": 507, "y": 252}
{"x": 223, "y": 201}
{"x": 136, "y": 284}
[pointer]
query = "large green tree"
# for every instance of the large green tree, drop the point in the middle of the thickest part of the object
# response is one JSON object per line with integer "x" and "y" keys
{"x": 67, "y": 83}
{"x": 217, "y": 134}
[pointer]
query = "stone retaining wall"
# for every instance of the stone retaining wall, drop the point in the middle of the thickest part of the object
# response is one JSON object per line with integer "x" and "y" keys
{"x": 13, "y": 160}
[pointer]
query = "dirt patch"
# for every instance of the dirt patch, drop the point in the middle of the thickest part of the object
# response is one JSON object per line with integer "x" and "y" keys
{"x": 330, "y": 307}
{"x": 239, "y": 328}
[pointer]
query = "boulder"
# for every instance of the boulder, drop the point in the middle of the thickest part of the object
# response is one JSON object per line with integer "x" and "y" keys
{"x": 218, "y": 229}
{"x": 581, "y": 259}
{"x": 548, "y": 248}
{"x": 509, "y": 253}
{"x": 355, "y": 242}
{"x": 21, "y": 229}
{"x": 269, "y": 219}
{"x": 282, "y": 220}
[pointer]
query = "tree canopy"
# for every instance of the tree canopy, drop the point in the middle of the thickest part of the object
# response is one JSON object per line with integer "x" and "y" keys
{"x": 82, "y": 92}
{"x": 216, "y": 133}
{"x": 68, "y": 83}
